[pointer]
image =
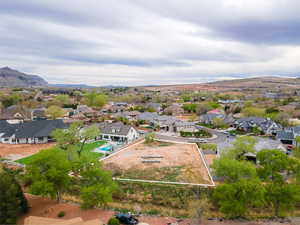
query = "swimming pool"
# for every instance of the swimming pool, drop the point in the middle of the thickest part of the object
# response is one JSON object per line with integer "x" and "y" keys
{"x": 104, "y": 148}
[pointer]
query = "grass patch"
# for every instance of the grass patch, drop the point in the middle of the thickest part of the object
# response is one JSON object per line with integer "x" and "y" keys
{"x": 197, "y": 134}
{"x": 88, "y": 148}
{"x": 87, "y": 151}
{"x": 208, "y": 146}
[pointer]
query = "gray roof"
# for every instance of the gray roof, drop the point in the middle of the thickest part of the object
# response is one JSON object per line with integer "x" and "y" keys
{"x": 249, "y": 122}
{"x": 285, "y": 135}
{"x": 147, "y": 116}
{"x": 7, "y": 129}
{"x": 114, "y": 128}
{"x": 39, "y": 128}
{"x": 209, "y": 117}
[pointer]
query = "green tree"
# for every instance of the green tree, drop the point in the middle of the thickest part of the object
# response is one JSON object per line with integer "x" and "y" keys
{"x": 235, "y": 199}
{"x": 282, "y": 197}
{"x": 241, "y": 146}
{"x": 275, "y": 170}
{"x": 253, "y": 111}
{"x": 219, "y": 123}
{"x": 12, "y": 199}
{"x": 13, "y": 99}
{"x": 48, "y": 173}
{"x": 93, "y": 99}
{"x": 273, "y": 162}
{"x": 89, "y": 133}
{"x": 97, "y": 187}
{"x": 203, "y": 108}
{"x": 77, "y": 95}
{"x": 233, "y": 170}
{"x": 55, "y": 112}
{"x": 61, "y": 100}
{"x": 190, "y": 108}
{"x": 149, "y": 138}
{"x": 214, "y": 105}
{"x": 75, "y": 137}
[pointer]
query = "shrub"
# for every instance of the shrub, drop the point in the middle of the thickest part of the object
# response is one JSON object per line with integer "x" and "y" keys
{"x": 200, "y": 133}
{"x": 149, "y": 138}
{"x": 61, "y": 214}
{"x": 113, "y": 221}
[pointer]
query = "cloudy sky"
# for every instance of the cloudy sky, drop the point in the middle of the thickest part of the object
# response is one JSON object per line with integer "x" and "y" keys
{"x": 137, "y": 42}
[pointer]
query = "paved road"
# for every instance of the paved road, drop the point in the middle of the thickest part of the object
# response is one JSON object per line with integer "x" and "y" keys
{"x": 219, "y": 137}
{"x": 222, "y": 140}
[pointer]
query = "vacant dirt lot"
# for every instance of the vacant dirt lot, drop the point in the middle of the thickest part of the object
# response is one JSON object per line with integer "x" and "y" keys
{"x": 160, "y": 161}
{"x": 18, "y": 151}
{"x": 48, "y": 208}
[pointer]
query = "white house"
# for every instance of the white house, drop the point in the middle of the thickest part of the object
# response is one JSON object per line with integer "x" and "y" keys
{"x": 118, "y": 132}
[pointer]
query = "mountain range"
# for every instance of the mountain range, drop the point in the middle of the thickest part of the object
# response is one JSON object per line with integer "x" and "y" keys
{"x": 13, "y": 78}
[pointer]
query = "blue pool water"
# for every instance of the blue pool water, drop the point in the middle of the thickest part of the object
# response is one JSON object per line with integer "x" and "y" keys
{"x": 104, "y": 148}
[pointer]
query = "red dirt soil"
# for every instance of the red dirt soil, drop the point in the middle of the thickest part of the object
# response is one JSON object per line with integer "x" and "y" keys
{"x": 172, "y": 155}
{"x": 45, "y": 207}
{"x": 16, "y": 151}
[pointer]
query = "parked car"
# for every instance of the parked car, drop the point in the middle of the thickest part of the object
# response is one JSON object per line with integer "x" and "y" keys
{"x": 126, "y": 219}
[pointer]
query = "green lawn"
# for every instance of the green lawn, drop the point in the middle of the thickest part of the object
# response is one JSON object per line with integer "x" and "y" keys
{"x": 87, "y": 150}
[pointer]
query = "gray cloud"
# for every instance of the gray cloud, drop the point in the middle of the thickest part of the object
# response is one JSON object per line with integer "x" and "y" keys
{"x": 142, "y": 42}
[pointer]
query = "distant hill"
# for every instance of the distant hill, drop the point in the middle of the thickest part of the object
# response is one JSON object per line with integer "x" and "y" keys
{"x": 258, "y": 82}
{"x": 262, "y": 83}
{"x": 13, "y": 78}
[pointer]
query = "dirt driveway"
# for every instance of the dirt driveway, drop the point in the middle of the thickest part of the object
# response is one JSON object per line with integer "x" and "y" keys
{"x": 17, "y": 151}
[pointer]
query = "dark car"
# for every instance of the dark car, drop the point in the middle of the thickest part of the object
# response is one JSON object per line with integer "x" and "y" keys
{"x": 127, "y": 219}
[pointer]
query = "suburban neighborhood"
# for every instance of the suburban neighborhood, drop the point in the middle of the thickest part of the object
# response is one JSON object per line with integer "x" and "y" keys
{"x": 149, "y": 112}
{"x": 146, "y": 141}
